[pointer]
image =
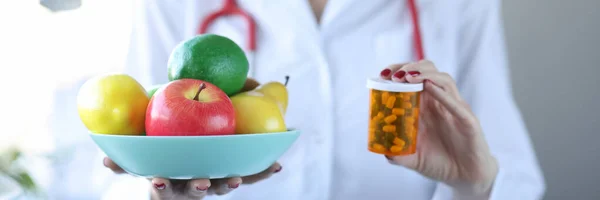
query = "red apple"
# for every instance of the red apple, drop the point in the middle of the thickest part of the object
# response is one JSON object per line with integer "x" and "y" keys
{"x": 190, "y": 107}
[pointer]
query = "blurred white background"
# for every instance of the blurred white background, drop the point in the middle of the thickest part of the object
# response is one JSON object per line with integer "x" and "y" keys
{"x": 44, "y": 51}
{"x": 553, "y": 47}
{"x": 45, "y": 57}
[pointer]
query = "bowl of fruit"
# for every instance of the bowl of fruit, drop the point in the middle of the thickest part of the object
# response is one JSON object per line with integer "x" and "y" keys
{"x": 208, "y": 121}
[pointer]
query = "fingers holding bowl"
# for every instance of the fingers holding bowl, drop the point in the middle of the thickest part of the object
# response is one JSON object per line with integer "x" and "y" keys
{"x": 198, "y": 188}
{"x": 263, "y": 175}
{"x": 162, "y": 188}
{"x": 201, "y": 187}
{"x": 224, "y": 186}
{"x": 108, "y": 163}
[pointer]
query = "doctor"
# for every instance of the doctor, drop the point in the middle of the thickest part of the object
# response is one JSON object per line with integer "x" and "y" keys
{"x": 474, "y": 144}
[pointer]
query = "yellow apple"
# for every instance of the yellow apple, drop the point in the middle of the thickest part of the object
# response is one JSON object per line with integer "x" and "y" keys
{"x": 256, "y": 112}
{"x": 113, "y": 104}
{"x": 277, "y": 91}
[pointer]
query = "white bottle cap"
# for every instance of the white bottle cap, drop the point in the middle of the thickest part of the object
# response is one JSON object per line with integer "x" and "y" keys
{"x": 390, "y": 86}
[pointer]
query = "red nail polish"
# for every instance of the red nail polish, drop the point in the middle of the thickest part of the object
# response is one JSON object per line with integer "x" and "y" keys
{"x": 279, "y": 169}
{"x": 159, "y": 186}
{"x": 234, "y": 186}
{"x": 400, "y": 74}
{"x": 201, "y": 188}
{"x": 386, "y": 72}
{"x": 414, "y": 73}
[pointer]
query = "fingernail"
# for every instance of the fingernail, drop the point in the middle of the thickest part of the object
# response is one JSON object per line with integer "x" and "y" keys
{"x": 160, "y": 186}
{"x": 201, "y": 188}
{"x": 105, "y": 161}
{"x": 414, "y": 73}
{"x": 278, "y": 169}
{"x": 400, "y": 74}
{"x": 234, "y": 186}
{"x": 386, "y": 72}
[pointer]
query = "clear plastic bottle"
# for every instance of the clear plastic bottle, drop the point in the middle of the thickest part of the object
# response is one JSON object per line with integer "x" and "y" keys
{"x": 393, "y": 116}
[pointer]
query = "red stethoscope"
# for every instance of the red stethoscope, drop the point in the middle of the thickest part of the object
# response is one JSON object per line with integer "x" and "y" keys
{"x": 230, "y": 8}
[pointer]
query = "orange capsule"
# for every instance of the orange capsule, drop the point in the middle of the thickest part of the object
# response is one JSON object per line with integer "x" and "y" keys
{"x": 379, "y": 115}
{"x": 384, "y": 97}
{"x": 398, "y": 111}
{"x": 390, "y": 102}
{"x": 406, "y": 97}
{"x": 390, "y": 119}
{"x": 415, "y": 112}
{"x": 411, "y": 134}
{"x": 399, "y": 142}
{"x": 409, "y": 121}
{"x": 409, "y": 128}
{"x": 378, "y": 148}
{"x": 396, "y": 149}
{"x": 389, "y": 128}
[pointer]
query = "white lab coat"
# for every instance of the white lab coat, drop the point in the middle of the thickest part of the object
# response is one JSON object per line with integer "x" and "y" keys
{"x": 329, "y": 64}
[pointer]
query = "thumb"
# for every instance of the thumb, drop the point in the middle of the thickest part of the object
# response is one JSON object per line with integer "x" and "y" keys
{"x": 112, "y": 166}
{"x": 410, "y": 161}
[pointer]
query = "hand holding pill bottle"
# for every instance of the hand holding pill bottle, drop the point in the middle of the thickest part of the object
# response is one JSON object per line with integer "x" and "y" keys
{"x": 393, "y": 116}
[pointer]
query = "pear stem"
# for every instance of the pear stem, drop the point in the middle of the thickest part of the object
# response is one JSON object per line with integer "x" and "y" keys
{"x": 287, "y": 78}
{"x": 202, "y": 86}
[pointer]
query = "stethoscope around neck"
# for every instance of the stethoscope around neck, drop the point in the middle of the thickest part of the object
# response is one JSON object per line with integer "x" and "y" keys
{"x": 231, "y": 8}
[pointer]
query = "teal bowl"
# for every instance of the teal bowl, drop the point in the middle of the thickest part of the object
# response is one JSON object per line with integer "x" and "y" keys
{"x": 190, "y": 157}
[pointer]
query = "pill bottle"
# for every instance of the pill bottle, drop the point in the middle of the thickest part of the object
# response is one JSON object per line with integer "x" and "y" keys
{"x": 393, "y": 116}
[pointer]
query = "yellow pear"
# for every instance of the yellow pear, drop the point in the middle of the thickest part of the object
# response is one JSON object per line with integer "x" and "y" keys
{"x": 113, "y": 104}
{"x": 277, "y": 91}
{"x": 256, "y": 112}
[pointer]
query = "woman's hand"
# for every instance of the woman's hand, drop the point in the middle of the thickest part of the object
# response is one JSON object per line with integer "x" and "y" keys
{"x": 451, "y": 147}
{"x": 196, "y": 189}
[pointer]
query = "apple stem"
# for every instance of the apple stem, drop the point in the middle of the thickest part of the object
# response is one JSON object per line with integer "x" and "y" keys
{"x": 202, "y": 86}
{"x": 287, "y": 78}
